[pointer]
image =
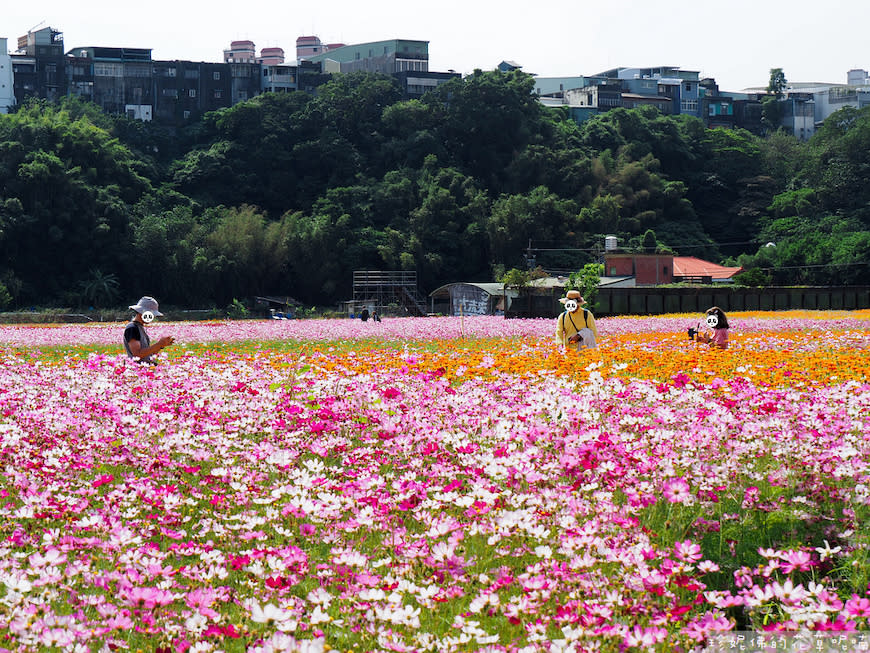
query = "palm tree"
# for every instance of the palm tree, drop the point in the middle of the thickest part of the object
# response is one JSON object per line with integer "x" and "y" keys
{"x": 100, "y": 289}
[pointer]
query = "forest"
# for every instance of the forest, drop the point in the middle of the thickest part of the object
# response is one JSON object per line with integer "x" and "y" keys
{"x": 289, "y": 193}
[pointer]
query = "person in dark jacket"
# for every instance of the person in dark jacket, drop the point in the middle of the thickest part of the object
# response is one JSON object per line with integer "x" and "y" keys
{"x": 136, "y": 341}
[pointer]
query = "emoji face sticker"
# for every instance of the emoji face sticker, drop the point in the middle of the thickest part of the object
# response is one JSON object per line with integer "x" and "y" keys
{"x": 147, "y": 317}
{"x": 712, "y": 320}
{"x": 571, "y": 305}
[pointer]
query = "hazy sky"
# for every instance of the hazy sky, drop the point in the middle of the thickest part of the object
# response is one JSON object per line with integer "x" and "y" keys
{"x": 737, "y": 42}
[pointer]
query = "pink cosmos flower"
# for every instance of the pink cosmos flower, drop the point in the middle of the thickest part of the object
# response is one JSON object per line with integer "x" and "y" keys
{"x": 687, "y": 551}
{"x": 643, "y": 637}
{"x": 102, "y": 480}
{"x": 857, "y": 606}
{"x": 677, "y": 491}
{"x": 796, "y": 561}
{"x": 751, "y": 496}
{"x": 148, "y": 597}
{"x": 701, "y": 627}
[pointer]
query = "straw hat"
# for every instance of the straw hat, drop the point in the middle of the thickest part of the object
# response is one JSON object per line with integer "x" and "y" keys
{"x": 573, "y": 294}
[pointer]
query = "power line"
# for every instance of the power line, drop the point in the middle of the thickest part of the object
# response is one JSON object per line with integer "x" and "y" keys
{"x": 599, "y": 247}
{"x": 818, "y": 265}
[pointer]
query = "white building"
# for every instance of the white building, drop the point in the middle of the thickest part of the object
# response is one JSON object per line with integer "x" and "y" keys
{"x": 7, "y": 90}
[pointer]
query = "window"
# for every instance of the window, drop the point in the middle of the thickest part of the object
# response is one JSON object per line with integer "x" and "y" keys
{"x": 216, "y": 75}
{"x": 186, "y": 115}
{"x": 218, "y": 93}
{"x": 137, "y": 70}
{"x": 357, "y": 56}
{"x": 243, "y": 95}
{"x": 103, "y": 69}
{"x": 170, "y": 72}
{"x": 191, "y": 73}
{"x": 612, "y": 270}
{"x": 170, "y": 92}
{"x": 688, "y": 87}
{"x": 192, "y": 92}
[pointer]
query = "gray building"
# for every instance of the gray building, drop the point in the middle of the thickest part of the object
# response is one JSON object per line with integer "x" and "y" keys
{"x": 38, "y": 66}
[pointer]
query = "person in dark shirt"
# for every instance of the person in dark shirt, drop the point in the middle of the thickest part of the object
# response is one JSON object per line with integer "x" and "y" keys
{"x": 136, "y": 341}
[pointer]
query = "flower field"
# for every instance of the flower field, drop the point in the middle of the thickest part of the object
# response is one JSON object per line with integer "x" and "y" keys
{"x": 438, "y": 484}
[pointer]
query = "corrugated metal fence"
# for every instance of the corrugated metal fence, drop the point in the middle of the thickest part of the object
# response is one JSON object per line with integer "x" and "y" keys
{"x": 659, "y": 300}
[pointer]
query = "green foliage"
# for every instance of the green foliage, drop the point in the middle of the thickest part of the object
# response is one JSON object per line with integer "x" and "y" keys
{"x": 100, "y": 290}
{"x": 777, "y": 83}
{"x": 586, "y": 281}
{"x": 244, "y": 254}
{"x": 237, "y": 310}
{"x": 771, "y": 113}
{"x": 754, "y": 277}
{"x": 515, "y": 278}
{"x": 649, "y": 242}
{"x": 292, "y": 192}
{"x": 800, "y": 202}
{"x": 5, "y": 297}
{"x": 68, "y": 186}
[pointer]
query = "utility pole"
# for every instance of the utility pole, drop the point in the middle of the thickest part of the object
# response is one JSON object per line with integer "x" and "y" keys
{"x": 530, "y": 258}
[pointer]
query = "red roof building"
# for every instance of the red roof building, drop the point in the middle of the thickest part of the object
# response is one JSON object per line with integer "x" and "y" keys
{"x": 694, "y": 268}
{"x": 658, "y": 269}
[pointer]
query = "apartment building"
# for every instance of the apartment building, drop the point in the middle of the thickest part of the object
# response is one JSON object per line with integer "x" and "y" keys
{"x": 407, "y": 61}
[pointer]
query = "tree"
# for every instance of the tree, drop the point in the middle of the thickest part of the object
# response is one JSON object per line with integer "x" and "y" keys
{"x": 245, "y": 255}
{"x": 489, "y": 117}
{"x": 777, "y": 83}
{"x": 771, "y": 106}
{"x": 587, "y": 280}
{"x": 67, "y": 187}
{"x": 649, "y": 242}
{"x": 100, "y": 289}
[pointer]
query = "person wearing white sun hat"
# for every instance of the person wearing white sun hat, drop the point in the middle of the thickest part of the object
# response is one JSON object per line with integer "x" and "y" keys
{"x": 136, "y": 341}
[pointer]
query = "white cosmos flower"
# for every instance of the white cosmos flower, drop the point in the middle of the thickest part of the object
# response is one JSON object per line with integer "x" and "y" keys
{"x": 826, "y": 551}
{"x": 17, "y": 584}
{"x": 268, "y": 613}
{"x": 320, "y": 596}
{"x": 319, "y": 616}
{"x": 196, "y": 623}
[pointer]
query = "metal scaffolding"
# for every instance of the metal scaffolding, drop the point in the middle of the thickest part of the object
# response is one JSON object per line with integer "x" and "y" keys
{"x": 379, "y": 290}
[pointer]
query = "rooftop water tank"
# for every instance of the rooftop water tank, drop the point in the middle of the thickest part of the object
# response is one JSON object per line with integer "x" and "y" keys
{"x": 609, "y": 243}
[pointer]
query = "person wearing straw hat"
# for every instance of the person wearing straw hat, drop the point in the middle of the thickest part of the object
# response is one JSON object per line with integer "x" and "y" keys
{"x": 576, "y": 330}
{"x": 136, "y": 341}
